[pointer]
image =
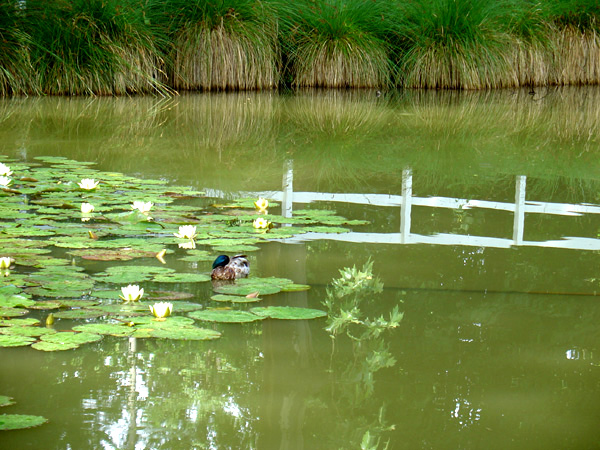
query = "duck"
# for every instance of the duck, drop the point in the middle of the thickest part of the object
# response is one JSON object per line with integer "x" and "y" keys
{"x": 225, "y": 268}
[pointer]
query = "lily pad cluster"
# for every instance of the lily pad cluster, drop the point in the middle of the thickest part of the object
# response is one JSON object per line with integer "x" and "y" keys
{"x": 56, "y": 214}
{"x": 17, "y": 421}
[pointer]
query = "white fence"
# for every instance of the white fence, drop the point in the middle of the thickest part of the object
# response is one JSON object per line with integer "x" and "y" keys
{"x": 519, "y": 208}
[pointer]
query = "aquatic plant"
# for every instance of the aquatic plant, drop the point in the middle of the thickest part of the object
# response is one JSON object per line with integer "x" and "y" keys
{"x": 143, "y": 207}
{"x": 88, "y": 184}
{"x": 161, "y": 310}
{"x": 131, "y": 293}
{"x": 261, "y": 223}
{"x": 262, "y": 204}
{"x": 186, "y": 232}
{"x": 337, "y": 43}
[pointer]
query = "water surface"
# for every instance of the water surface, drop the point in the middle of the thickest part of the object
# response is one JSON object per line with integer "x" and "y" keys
{"x": 497, "y": 347}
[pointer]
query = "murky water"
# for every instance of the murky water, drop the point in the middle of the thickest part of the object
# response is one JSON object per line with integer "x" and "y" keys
{"x": 484, "y": 230}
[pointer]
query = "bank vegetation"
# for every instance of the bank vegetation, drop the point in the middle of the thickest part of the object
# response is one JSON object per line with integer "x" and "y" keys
{"x": 116, "y": 47}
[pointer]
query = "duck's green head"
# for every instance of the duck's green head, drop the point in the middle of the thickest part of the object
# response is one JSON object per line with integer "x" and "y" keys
{"x": 222, "y": 261}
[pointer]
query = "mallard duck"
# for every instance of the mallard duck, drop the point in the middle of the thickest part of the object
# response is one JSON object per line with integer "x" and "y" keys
{"x": 225, "y": 268}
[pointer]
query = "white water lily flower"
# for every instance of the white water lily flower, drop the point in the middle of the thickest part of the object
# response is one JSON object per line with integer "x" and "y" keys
{"x": 87, "y": 208}
{"x": 261, "y": 224}
{"x": 4, "y": 181}
{"x": 161, "y": 310}
{"x": 189, "y": 245}
{"x": 131, "y": 293}
{"x": 143, "y": 207}
{"x": 261, "y": 204}
{"x": 5, "y": 262}
{"x": 88, "y": 184}
{"x": 186, "y": 232}
{"x": 5, "y": 170}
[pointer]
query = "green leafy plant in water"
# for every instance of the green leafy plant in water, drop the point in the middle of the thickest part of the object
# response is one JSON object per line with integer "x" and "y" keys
{"x": 348, "y": 301}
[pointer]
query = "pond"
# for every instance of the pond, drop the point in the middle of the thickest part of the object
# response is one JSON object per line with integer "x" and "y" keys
{"x": 469, "y": 320}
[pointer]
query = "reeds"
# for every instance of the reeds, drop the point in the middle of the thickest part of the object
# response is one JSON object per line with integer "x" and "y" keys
{"x": 116, "y": 47}
{"x": 338, "y": 43}
{"x": 226, "y": 45}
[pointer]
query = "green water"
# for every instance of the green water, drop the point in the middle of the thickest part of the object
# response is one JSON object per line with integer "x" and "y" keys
{"x": 497, "y": 347}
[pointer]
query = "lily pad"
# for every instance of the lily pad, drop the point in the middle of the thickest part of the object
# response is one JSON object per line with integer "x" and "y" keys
{"x": 100, "y": 254}
{"x": 68, "y": 338}
{"x": 187, "y": 333}
{"x": 79, "y": 314}
{"x": 18, "y": 322}
{"x": 264, "y": 286}
{"x": 106, "y": 328}
{"x": 20, "y": 421}
{"x": 27, "y": 331}
{"x": 15, "y": 340}
{"x": 123, "y": 309}
{"x": 224, "y": 316}
{"x": 234, "y": 298}
{"x": 12, "y": 312}
{"x": 181, "y": 278}
{"x": 288, "y": 312}
{"x": 6, "y": 401}
{"x": 10, "y": 301}
{"x": 54, "y": 346}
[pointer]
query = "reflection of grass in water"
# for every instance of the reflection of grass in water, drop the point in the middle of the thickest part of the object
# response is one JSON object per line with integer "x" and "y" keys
{"x": 347, "y": 140}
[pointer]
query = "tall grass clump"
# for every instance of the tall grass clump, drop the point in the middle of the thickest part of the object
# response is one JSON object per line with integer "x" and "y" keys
{"x": 99, "y": 47}
{"x": 576, "y": 41}
{"x": 455, "y": 44}
{"x": 15, "y": 65}
{"x": 229, "y": 44}
{"x": 338, "y": 43}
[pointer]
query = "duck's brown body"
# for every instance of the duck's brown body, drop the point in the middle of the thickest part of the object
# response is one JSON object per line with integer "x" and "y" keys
{"x": 225, "y": 268}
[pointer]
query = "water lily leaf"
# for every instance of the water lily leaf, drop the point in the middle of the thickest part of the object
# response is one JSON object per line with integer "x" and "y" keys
{"x": 264, "y": 286}
{"x": 234, "y": 298}
{"x": 288, "y": 312}
{"x": 6, "y": 401}
{"x": 170, "y": 322}
{"x": 181, "y": 278}
{"x": 295, "y": 287}
{"x": 243, "y": 290}
{"x": 27, "y": 331}
{"x": 198, "y": 255}
{"x": 79, "y": 303}
{"x": 15, "y": 340}
{"x": 10, "y": 301}
{"x": 68, "y": 337}
{"x": 78, "y": 314}
{"x": 224, "y": 316}
{"x": 131, "y": 274}
{"x": 20, "y": 421}
{"x": 53, "y": 346}
{"x": 124, "y": 254}
{"x": 167, "y": 295}
{"x": 12, "y": 312}
{"x": 18, "y": 322}
{"x": 47, "y": 304}
{"x": 106, "y": 329}
{"x": 123, "y": 309}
